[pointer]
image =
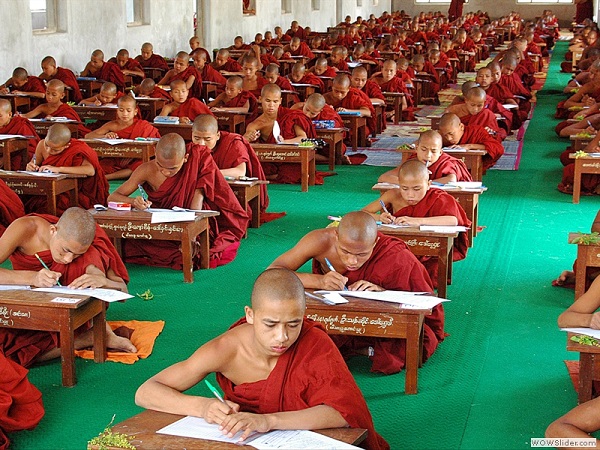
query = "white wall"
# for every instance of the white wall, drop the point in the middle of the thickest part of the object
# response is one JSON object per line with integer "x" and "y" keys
{"x": 90, "y": 24}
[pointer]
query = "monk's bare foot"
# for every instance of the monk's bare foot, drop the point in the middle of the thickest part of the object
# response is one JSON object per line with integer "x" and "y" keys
{"x": 566, "y": 277}
{"x": 119, "y": 343}
{"x": 346, "y": 161}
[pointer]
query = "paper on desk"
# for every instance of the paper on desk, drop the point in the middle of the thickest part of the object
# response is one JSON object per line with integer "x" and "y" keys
{"x": 108, "y": 295}
{"x": 510, "y": 106}
{"x": 177, "y": 208}
{"x": 587, "y": 331}
{"x": 276, "y": 131}
{"x": 442, "y": 228}
{"x": 395, "y": 225}
{"x": 168, "y": 215}
{"x": 115, "y": 141}
{"x": 41, "y": 174}
{"x": 196, "y": 427}
{"x": 13, "y": 287}
{"x": 10, "y": 136}
{"x": 386, "y": 186}
{"x": 415, "y": 299}
{"x": 465, "y": 184}
{"x": 454, "y": 149}
{"x": 334, "y": 298}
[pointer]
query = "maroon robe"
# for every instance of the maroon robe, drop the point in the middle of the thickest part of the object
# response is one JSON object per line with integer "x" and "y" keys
{"x": 355, "y": 99}
{"x": 447, "y": 165}
{"x": 373, "y": 90}
{"x": 212, "y": 75}
{"x": 328, "y": 113}
{"x": 159, "y": 92}
{"x": 395, "y": 85}
{"x": 310, "y": 78}
{"x": 230, "y": 66}
{"x": 392, "y": 266}
{"x": 226, "y": 230}
{"x": 260, "y": 83}
{"x": 110, "y": 72}
{"x": 130, "y": 64}
{"x": 33, "y": 84}
{"x": 69, "y": 79}
{"x": 485, "y": 118}
{"x": 91, "y": 190}
{"x": 240, "y": 101}
{"x": 303, "y": 50}
{"x": 21, "y": 125}
{"x": 329, "y": 73}
{"x": 589, "y": 182}
{"x": 67, "y": 111}
{"x": 191, "y": 108}
{"x": 196, "y": 89}
{"x": 154, "y": 62}
{"x": 267, "y": 59}
{"x": 11, "y": 206}
{"x": 310, "y": 373}
{"x": 284, "y": 83}
{"x": 201, "y": 50}
{"x": 475, "y": 134}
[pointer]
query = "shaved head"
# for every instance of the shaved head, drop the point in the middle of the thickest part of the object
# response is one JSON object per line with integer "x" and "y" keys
{"x": 175, "y": 84}
{"x": 49, "y": 60}
{"x": 59, "y": 134}
{"x": 342, "y": 80}
{"x": 171, "y": 146}
{"x": 56, "y": 85}
{"x": 224, "y": 53}
{"x": 147, "y": 85}
{"x": 205, "y": 123}
{"x": 5, "y": 105}
{"x": 358, "y": 226}
{"x": 272, "y": 68}
{"x": 277, "y": 285}
{"x": 77, "y": 224}
{"x": 183, "y": 55}
{"x": 476, "y": 93}
{"x": 431, "y": 136}
{"x": 414, "y": 169}
{"x": 147, "y": 46}
{"x": 127, "y": 99}
{"x": 449, "y": 120}
{"x": 467, "y": 85}
{"x": 321, "y": 62}
{"x": 235, "y": 82}
{"x": 98, "y": 54}
{"x": 358, "y": 71}
{"x": 19, "y": 74}
{"x": 316, "y": 100}
{"x": 270, "y": 88}
{"x": 109, "y": 88}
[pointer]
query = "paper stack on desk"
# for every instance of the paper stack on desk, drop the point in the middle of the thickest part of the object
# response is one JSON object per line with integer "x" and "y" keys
{"x": 160, "y": 215}
{"x": 409, "y": 300}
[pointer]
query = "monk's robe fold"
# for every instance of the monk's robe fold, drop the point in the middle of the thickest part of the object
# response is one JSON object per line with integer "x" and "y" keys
{"x": 439, "y": 203}
{"x": 392, "y": 266}
{"x": 435, "y": 78}
{"x": 260, "y": 83}
{"x": 267, "y": 59}
{"x": 67, "y": 111}
{"x": 159, "y": 92}
{"x": 191, "y": 108}
{"x": 11, "y": 206}
{"x": 240, "y": 101}
{"x": 190, "y": 71}
{"x": 25, "y": 346}
{"x": 310, "y": 373}
{"x": 226, "y": 230}
{"x": 69, "y": 79}
{"x": 355, "y": 99}
{"x": 502, "y": 94}
{"x": 130, "y": 64}
{"x": 231, "y": 65}
{"x": 475, "y": 134}
{"x": 284, "y": 83}
{"x": 209, "y": 73}
{"x": 33, "y": 84}
{"x": 21, "y": 406}
{"x": 329, "y": 72}
{"x": 91, "y": 189}
{"x": 231, "y": 151}
{"x": 448, "y": 165}
{"x": 310, "y": 78}
{"x": 110, "y": 72}
{"x": 21, "y": 125}
{"x": 485, "y": 119}
{"x": 139, "y": 128}
{"x": 373, "y": 90}
{"x": 154, "y": 62}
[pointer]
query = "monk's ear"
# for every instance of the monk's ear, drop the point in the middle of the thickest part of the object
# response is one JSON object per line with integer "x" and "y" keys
{"x": 53, "y": 230}
{"x": 249, "y": 315}
{"x": 218, "y": 135}
{"x": 185, "y": 158}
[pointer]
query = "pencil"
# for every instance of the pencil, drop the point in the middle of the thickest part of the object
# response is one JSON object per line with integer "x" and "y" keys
{"x": 45, "y": 266}
{"x": 330, "y": 266}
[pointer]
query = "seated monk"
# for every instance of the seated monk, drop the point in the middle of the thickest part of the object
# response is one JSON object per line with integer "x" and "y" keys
{"x": 298, "y": 48}
{"x": 21, "y": 83}
{"x": 414, "y": 203}
{"x": 583, "y": 421}
{"x": 188, "y": 178}
{"x": 149, "y": 88}
{"x": 50, "y": 71}
{"x": 183, "y": 106}
{"x": 126, "y": 126}
{"x": 224, "y": 63}
{"x": 389, "y": 82}
{"x": 323, "y": 69}
{"x": 129, "y": 66}
{"x": 54, "y": 107}
{"x": 273, "y": 346}
{"x": 443, "y": 168}
{"x": 77, "y": 254}
{"x": 208, "y": 72}
{"x": 252, "y": 82}
{"x": 472, "y": 137}
{"x": 337, "y": 59}
{"x": 345, "y": 98}
{"x": 365, "y": 260}
{"x": 150, "y": 60}
{"x": 490, "y": 103}
{"x": 196, "y": 47}
{"x": 19, "y": 125}
{"x": 58, "y": 153}
{"x": 104, "y": 71}
{"x": 108, "y": 95}
{"x": 272, "y": 76}
{"x": 183, "y": 71}
{"x": 510, "y": 80}
{"x": 239, "y": 44}
{"x": 11, "y": 206}
{"x": 485, "y": 78}
{"x": 359, "y": 80}
{"x": 301, "y": 76}
{"x": 234, "y": 98}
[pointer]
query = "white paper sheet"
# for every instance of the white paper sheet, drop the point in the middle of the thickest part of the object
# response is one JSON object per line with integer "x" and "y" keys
{"x": 276, "y": 131}
{"x": 196, "y": 427}
{"x": 108, "y": 295}
{"x": 10, "y": 136}
{"x": 335, "y": 298}
{"x": 416, "y": 299}
{"x": 442, "y": 228}
{"x": 465, "y": 184}
{"x": 13, "y": 287}
{"x": 587, "y": 331}
{"x": 169, "y": 216}
{"x": 41, "y": 174}
{"x": 115, "y": 141}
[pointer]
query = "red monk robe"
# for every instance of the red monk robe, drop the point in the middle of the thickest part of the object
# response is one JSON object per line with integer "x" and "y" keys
{"x": 155, "y": 62}
{"x": 191, "y": 108}
{"x": 240, "y": 100}
{"x": 329, "y": 72}
{"x": 139, "y": 128}
{"x": 267, "y": 59}
{"x": 110, "y": 72}
{"x": 69, "y": 79}
{"x": 485, "y": 118}
{"x": 226, "y": 230}
{"x": 21, "y": 125}
{"x": 355, "y": 99}
{"x": 284, "y": 83}
{"x": 513, "y": 84}
{"x": 392, "y": 266}
{"x": 328, "y": 113}
{"x": 33, "y": 84}
{"x": 67, "y": 111}
{"x": 373, "y": 90}
{"x": 303, "y": 50}
{"x": 397, "y": 85}
{"x": 310, "y": 78}
{"x": 310, "y": 373}
{"x": 231, "y": 65}
{"x": 439, "y": 203}
{"x": 21, "y": 406}
{"x": 449, "y": 165}
{"x": 190, "y": 71}
{"x": 475, "y": 134}
{"x": 25, "y": 346}
{"x": 159, "y": 92}
{"x": 11, "y": 206}
{"x": 435, "y": 78}
{"x": 231, "y": 151}
{"x": 212, "y": 75}
{"x": 91, "y": 190}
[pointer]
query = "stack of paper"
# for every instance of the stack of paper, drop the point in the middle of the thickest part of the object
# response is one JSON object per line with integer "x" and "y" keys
{"x": 407, "y": 299}
{"x": 168, "y": 215}
{"x": 108, "y": 295}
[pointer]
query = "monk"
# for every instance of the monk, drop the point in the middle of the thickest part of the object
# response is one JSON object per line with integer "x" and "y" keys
{"x": 298, "y": 48}
{"x": 443, "y": 168}
{"x": 183, "y": 71}
{"x": 21, "y": 83}
{"x": 105, "y": 71}
{"x": 224, "y": 63}
{"x": 414, "y": 204}
{"x": 458, "y": 135}
{"x": 272, "y": 76}
{"x": 188, "y": 178}
{"x": 234, "y": 98}
{"x": 129, "y": 66}
{"x": 196, "y": 47}
{"x": 389, "y": 82}
{"x": 50, "y": 71}
{"x": 364, "y": 259}
{"x": 301, "y": 76}
{"x": 359, "y": 80}
{"x": 126, "y": 126}
{"x": 322, "y": 69}
{"x": 252, "y": 82}
{"x": 108, "y": 94}
{"x": 208, "y": 72}
{"x": 19, "y": 125}
{"x": 149, "y": 88}
{"x": 473, "y": 112}
{"x": 58, "y": 153}
{"x": 233, "y": 154}
{"x": 11, "y": 206}
{"x": 183, "y": 106}
{"x": 267, "y": 364}
{"x": 148, "y": 59}
{"x": 485, "y": 78}
{"x": 78, "y": 254}
{"x": 337, "y": 59}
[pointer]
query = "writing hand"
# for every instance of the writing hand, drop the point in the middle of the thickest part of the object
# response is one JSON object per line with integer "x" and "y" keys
{"x": 97, "y": 102}
{"x": 386, "y": 218}
{"x": 247, "y": 422}
{"x": 185, "y": 120}
{"x": 52, "y": 169}
{"x": 46, "y": 278}
{"x": 141, "y": 204}
{"x": 88, "y": 281}
{"x": 333, "y": 281}
{"x": 252, "y": 136}
{"x": 363, "y": 285}
{"x": 595, "y": 322}
{"x": 405, "y": 220}
{"x": 216, "y": 411}
{"x": 32, "y": 167}
{"x": 4, "y": 90}
{"x": 111, "y": 135}
{"x": 341, "y": 109}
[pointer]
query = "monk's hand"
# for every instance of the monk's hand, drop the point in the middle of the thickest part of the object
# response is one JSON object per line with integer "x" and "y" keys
{"x": 141, "y": 204}
{"x": 363, "y": 285}
{"x": 97, "y": 102}
{"x": 341, "y": 109}
{"x": 409, "y": 221}
{"x": 52, "y": 169}
{"x": 386, "y": 217}
{"x": 248, "y": 423}
{"x": 216, "y": 411}
{"x": 595, "y": 322}
{"x": 88, "y": 280}
{"x": 252, "y": 136}
{"x": 4, "y": 90}
{"x": 32, "y": 167}
{"x": 46, "y": 278}
{"x": 333, "y": 281}
{"x": 185, "y": 120}
{"x": 111, "y": 135}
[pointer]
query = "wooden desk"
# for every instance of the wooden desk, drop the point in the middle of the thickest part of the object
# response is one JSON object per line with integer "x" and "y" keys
{"x": 150, "y": 107}
{"x": 587, "y": 256}
{"x": 142, "y": 428}
{"x": 579, "y": 143}
{"x": 358, "y": 130}
{"x": 100, "y": 113}
{"x": 143, "y": 150}
{"x": 288, "y": 98}
{"x": 30, "y": 310}
{"x": 26, "y": 184}
{"x": 304, "y": 90}
{"x": 471, "y": 158}
{"x": 335, "y": 142}
{"x": 209, "y": 89}
{"x": 89, "y": 86}
{"x": 182, "y": 129}
{"x": 234, "y": 122}
{"x": 394, "y": 101}
{"x": 10, "y": 146}
{"x": 583, "y": 164}
{"x": 136, "y": 225}
{"x": 380, "y": 117}
{"x": 274, "y": 153}
{"x": 42, "y": 125}
{"x": 361, "y": 317}
{"x": 18, "y": 102}
{"x": 428, "y": 243}
{"x": 248, "y": 194}
{"x": 589, "y": 367}
{"x": 154, "y": 73}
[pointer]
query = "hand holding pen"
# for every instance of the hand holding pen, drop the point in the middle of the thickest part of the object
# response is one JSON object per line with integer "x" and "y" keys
{"x": 32, "y": 166}
{"x": 385, "y": 215}
{"x": 217, "y": 411}
{"x": 142, "y": 203}
{"x": 334, "y": 281}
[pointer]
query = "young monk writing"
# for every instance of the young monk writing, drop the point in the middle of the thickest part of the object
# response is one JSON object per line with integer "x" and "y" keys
{"x": 252, "y": 82}
{"x": 224, "y": 63}
{"x": 322, "y": 69}
{"x": 77, "y": 253}
{"x": 10, "y": 124}
{"x": 129, "y": 66}
{"x": 183, "y": 71}
{"x": 11, "y": 206}
{"x": 188, "y": 178}
{"x": 196, "y": 47}
{"x": 235, "y": 98}
{"x": 108, "y": 94}
{"x": 105, "y": 71}
{"x": 301, "y": 76}
{"x": 58, "y": 153}
{"x": 183, "y": 105}
{"x": 364, "y": 259}
{"x": 208, "y": 72}
{"x": 147, "y": 58}
{"x": 149, "y": 88}
{"x": 21, "y": 83}
{"x": 270, "y": 347}
{"x": 50, "y": 71}
{"x": 272, "y": 76}
{"x": 443, "y": 168}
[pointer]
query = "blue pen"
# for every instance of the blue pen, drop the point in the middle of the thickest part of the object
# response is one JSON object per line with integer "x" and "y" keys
{"x": 330, "y": 266}
{"x": 143, "y": 192}
{"x": 385, "y": 210}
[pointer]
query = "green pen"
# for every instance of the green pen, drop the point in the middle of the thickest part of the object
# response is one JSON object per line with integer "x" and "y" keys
{"x": 45, "y": 266}
{"x": 143, "y": 192}
{"x": 214, "y": 391}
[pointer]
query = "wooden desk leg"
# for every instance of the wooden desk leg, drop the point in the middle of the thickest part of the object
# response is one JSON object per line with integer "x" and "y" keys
{"x": 51, "y": 199}
{"x": 7, "y": 158}
{"x": 67, "y": 348}
{"x": 203, "y": 238}
{"x": 577, "y": 182}
{"x": 586, "y": 367}
{"x": 332, "y": 153}
{"x": 354, "y": 136}
{"x": 255, "y": 208}
{"x": 362, "y": 136}
{"x": 580, "y": 270}
{"x": 311, "y": 168}
{"x": 412, "y": 356}
{"x": 100, "y": 339}
{"x": 304, "y": 170}
{"x": 442, "y": 272}
{"x": 186, "y": 253}
{"x": 478, "y": 166}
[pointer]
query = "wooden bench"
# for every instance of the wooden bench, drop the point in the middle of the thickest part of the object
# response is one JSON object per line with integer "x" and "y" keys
{"x": 10, "y": 146}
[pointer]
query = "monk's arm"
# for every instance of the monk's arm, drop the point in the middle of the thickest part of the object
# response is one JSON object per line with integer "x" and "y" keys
{"x": 217, "y": 101}
{"x": 391, "y": 176}
{"x": 240, "y": 109}
{"x": 375, "y": 209}
{"x": 90, "y": 101}
{"x": 450, "y": 178}
{"x": 197, "y": 200}
{"x": 37, "y": 159}
{"x": 253, "y": 131}
{"x": 100, "y": 132}
{"x": 96, "y": 278}
{"x": 594, "y": 143}
{"x": 86, "y": 71}
{"x": 450, "y": 221}
{"x": 168, "y": 109}
{"x": 300, "y": 134}
{"x": 510, "y": 101}
{"x": 237, "y": 171}
{"x": 582, "y": 312}
{"x": 134, "y": 73}
{"x": 577, "y": 423}
{"x": 577, "y": 98}
{"x": 34, "y": 112}
{"x": 123, "y": 192}
{"x": 471, "y": 146}
{"x": 166, "y": 78}
{"x": 85, "y": 168}
{"x": 190, "y": 82}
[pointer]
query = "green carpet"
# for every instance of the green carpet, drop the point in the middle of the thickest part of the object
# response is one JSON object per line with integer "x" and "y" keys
{"x": 495, "y": 382}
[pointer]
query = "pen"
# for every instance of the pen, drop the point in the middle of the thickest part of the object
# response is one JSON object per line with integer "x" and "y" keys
{"x": 216, "y": 393}
{"x": 143, "y": 192}
{"x": 385, "y": 210}
{"x": 330, "y": 266}
{"x": 45, "y": 266}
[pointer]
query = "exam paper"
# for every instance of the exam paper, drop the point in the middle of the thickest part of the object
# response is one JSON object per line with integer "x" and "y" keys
{"x": 10, "y": 136}
{"x": 587, "y": 331}
{"x": 442, "y": 228}
{"x": 41, "y": 174}
{"x": 116, "y": 141}
{"x": 13, "y": 287}
{"x": 276, "y": 131}
{"x": 108, "y": 295}
{"x": 416, "y": 299}
{"x": 196, "y": 427}
{"x": 168, "y": 215}
{"x": 465, "y": 184}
